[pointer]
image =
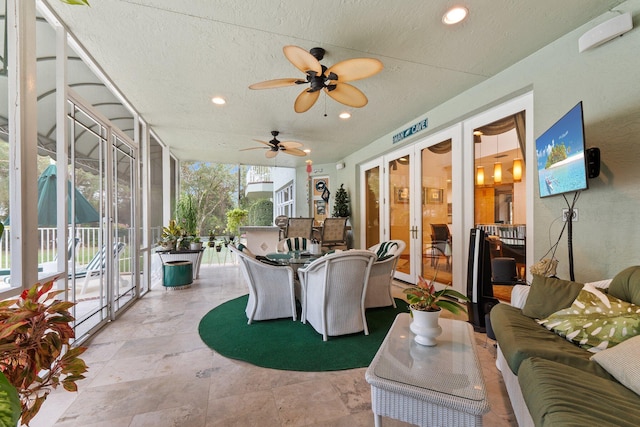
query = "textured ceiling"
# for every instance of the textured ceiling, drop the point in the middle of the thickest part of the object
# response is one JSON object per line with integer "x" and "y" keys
{"x": 170, "y": 57}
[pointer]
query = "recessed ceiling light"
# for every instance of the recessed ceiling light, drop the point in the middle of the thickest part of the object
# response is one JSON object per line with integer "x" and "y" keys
{"x": 455, "y": 15}
{"x": 306, "y": 150}
{"x": 345, "y": 115}
{"x": 218, "y": 100}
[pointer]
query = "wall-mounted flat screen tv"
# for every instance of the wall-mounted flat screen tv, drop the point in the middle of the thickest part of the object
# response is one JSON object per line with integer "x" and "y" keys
{"x": 562, "y": 166}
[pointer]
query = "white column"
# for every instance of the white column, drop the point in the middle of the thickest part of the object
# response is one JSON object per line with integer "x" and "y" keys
{"x": 23, "y": 173}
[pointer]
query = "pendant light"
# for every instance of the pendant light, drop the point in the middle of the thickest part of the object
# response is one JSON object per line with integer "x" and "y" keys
{"x": 480, "y": 175}
{"x": 480, "y": 169}
{"x": 517, "y": 169}
{"x": 497, "y": 167}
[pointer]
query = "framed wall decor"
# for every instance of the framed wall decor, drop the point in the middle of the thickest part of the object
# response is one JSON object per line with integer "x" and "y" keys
{"x": 433, "y": 196}
{"x": 401, "y": 194}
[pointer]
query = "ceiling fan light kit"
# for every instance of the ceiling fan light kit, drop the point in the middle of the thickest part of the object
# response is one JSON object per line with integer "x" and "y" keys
{"x": 332, "y": 80}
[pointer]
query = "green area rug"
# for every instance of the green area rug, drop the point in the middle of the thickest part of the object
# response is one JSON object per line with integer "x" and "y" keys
{"x": 292, "y": 346}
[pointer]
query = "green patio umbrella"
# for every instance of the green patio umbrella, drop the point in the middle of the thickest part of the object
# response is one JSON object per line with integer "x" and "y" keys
{"x": 47, "y": 202}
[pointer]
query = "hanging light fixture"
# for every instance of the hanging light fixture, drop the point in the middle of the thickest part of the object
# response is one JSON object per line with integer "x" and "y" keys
{"x": 497, "y": 167}
{"x": 517, "y": 169}
{"x": 480, "y": 175}
{"x": 480, "y": 169}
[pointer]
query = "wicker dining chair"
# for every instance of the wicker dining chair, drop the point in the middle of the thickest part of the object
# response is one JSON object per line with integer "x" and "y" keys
{"x": 271, "y": 288}
{"x": 379, "y": 286}
{"x": 333, "y": 292}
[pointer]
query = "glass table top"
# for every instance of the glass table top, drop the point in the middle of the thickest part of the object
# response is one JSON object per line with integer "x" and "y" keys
{"x": 293, "y": 257}
{"x": 450, "y": 367}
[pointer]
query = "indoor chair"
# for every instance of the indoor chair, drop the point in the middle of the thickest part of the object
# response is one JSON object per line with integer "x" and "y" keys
{"x": 293, "y": 244}
{"x": 440, "y": 244}
{"x": 334, "y": 233}
{"x": 300, "y": 227}
{"x": 271, "y": 288}
{"x": 379, "y": 286}
{"x": 281, "y": 222}
{"x": 503, "y": 271}
{"x": 333, "y": 290}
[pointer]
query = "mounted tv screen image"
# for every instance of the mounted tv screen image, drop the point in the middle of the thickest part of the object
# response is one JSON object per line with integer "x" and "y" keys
{"x": 561, "y": 161}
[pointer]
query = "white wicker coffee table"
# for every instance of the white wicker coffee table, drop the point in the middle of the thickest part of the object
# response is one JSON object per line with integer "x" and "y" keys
{"x": 428, "y": 386}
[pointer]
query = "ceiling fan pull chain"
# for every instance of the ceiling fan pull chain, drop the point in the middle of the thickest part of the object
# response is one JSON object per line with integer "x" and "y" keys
{"x": 325, "y": 104}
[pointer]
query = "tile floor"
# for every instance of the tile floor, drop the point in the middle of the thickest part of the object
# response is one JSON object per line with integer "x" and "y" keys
{"x": 150, "y": 368}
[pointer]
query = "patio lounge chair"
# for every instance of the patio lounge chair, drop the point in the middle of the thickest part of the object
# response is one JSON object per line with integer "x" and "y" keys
{"x": 97, "y": 265}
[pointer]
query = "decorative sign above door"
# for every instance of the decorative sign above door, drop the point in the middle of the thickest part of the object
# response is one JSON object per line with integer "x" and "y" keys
{"x": 421, "y": 125}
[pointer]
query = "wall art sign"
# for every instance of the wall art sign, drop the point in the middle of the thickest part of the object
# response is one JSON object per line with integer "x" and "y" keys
{"x": 411, "y": 130}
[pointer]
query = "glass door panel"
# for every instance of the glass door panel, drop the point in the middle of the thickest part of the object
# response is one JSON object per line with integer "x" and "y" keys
{"x": 102, "y": 271}
{"x": 87, "y": 282}
{"x": 401, "y": 197}
{"x": 500, "y": 186}
{"x": 123, "y": 220}
{"x": 436, "y": 211}
{"x": 372, "y": 206}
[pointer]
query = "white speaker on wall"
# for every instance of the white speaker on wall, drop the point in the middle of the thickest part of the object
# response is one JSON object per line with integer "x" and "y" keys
{"x": 340, "y": 165}
{"x": 606, "y": 31}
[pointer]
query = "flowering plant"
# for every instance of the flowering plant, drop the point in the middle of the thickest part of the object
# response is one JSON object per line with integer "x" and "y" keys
{"x": 425, "y": 297}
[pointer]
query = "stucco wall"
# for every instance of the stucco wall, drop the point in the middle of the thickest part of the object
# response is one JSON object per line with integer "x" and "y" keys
{"x": 606, "y": 79}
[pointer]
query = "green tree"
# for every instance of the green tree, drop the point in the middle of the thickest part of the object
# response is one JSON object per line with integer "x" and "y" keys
{"x": 341, "y": 206}
{"x": 261, "y": 212}
{"x": 187, "y": 214}
{"x": 214, "y": 189}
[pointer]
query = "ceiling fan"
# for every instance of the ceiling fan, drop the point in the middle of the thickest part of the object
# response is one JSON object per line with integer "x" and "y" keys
{"x": 274, "y": 146}
{"x": 332, "y": 80}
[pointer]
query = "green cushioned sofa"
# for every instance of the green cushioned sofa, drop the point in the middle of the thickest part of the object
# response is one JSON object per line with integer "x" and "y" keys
{"x": 551, "y": 381}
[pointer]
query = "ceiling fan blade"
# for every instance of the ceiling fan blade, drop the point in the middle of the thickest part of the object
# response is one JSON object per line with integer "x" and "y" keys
{"x": 270, "y": 154}
{"x": 355, "y": 69}
{"x": 294, "y": 151}
{"x": 263, "y": 142}
{"x": 253, "y": 148}
{"x": 305, "y": 100}
{"x": 349, "y": 95}
{"x": 290, "y": 144}
{"x": 270, "y": 84}
{"x": 302, "y": 59}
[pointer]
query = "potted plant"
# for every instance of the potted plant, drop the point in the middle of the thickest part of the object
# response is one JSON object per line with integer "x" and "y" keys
{"x": 212, "y": 239}
{"x": 235, "y": 218}
{"x": 187, "y": 214}
{"x": 35, "y": 351}
{"x": 426, "y": 303}
{"x": 170, "y": 235}
{"x": 196, "y": 244}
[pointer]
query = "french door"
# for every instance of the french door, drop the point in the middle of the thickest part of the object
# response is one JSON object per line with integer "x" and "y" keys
{"x": 103, "y": 268}
{"x": 418, "y": 204}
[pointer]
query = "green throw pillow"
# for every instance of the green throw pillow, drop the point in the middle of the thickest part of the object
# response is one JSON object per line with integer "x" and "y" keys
{"x": 595, "y": 321}
{"x": 548, "y": 295}
{"x": 626, "y": 285}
